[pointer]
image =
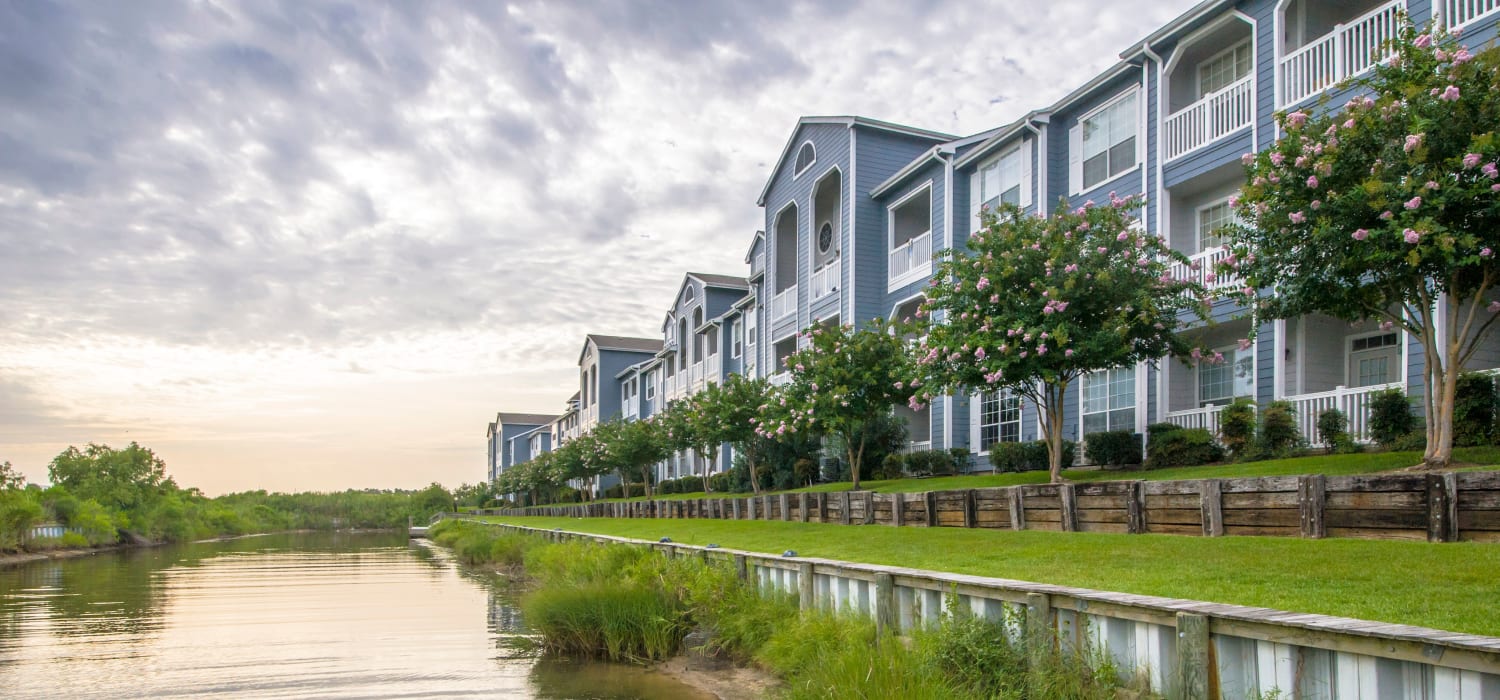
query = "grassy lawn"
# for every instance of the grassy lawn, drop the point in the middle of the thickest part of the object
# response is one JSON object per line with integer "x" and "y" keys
{"x": 1332, "y": 465}
{"x": 1449, "y": 586}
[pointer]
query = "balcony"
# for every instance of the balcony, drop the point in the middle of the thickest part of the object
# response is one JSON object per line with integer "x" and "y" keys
{"x": 911, "y": 260}
{"x": 1348, "y": 50}
{"x": 1355, "y": 403}
{"x": 1459, "y": 13}
{"x": 714, "y": 368}
{"x": 825, "y": 280}
{"x": 1206, "y": 418}
{"x": 784, "y": 303}
{"x": 779, "y": 379}
{"x": 1217, "y": 115}
{"x": 1200, "y": 269}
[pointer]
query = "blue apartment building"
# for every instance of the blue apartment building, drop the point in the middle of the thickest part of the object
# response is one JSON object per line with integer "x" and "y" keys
{"x": 855, "y": 209}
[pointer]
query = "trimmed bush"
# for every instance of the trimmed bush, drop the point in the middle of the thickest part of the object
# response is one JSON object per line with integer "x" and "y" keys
{"x": 1237, "y": 428}
{"x": 1182, "y": 447}
{"x": 1027, "y": 456}
{"x": 1155, "y": 430}
{"x": 892, "y": 467}
{"x": 960, "y": 456}
{"x": 1113, "y": 448}
{"x": 1333, "y": 428}
{"x": 1474, "y": 410}
{"x": 929, "y": 463}
{"x": 1391, "y": 418}
{"x": 1279, "y": 436}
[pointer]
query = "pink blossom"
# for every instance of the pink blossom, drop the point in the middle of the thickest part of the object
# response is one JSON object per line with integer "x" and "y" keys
{"x": 1461, "y": 57}
{"x": 1450, "y": 94}
{"x": 1412, "y": 236}
{"x": 1412, "y": 142}
{"x": 1471, "y": 161}
{"x": 1102, "y": 250}
{"x": 1296, "y": 119}
{"x": 1486, "y": 252}
{"x": 1386, "y": 215}
{"x": 978, "y": 355}
{"x": 1495, "y": 307}
{"x": 1312, "y": 181}
{"x": 1277, "y": 158}
{"x": 1197, "y": 354}
{"x": 1041, "y": 349}
{"x": 1068, "y": 352}
{"x": 1247, "y": 158}
{"x": 1244, "y": 344}
{"x": 1387, "y": 325}
{"x": 1490, "y": 171}
{"x": 1349, "y": 124}
{"x": 1495, "y": 187}
{"x": 1234, "y": 200}
{"x": 1210, "y": 277}
{"x": 1432, "y": 184}
{"x": 1297, "y": 217}
{"x": 1423, "y": 41}
{"x": 1024, "y": 353}
{"x": 1360, "y": 234}
{"x": 1413, "y": 203}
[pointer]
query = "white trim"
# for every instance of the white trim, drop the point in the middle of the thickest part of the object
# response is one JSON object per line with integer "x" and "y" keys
{"x": 1278, "y": 363}
{"x": 736, "y": 338}
{"x": 920, "y": 271}
{"x": 849, "y": 182}
{"x": 814, "y": 226}
{"x": 1349, "y": 351}
{"x": 976, "y": 413}
{"x": 1198, "y": 220}
{"x": 1140, "y": 137}
{"x": 903, "y": 302}
{"x": 1198, "y": 79}
{"x": 1209, "y": 28}
{"x": 796, "y": 172}
{"x": 775, "y": 267}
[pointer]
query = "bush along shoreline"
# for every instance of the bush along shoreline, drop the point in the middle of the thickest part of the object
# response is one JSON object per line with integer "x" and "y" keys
{"x": 633, "y": 605}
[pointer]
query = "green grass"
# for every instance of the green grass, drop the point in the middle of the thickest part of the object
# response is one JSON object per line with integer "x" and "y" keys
{"x": 1448, "y": 586}
{"x": 1331, "y": 465}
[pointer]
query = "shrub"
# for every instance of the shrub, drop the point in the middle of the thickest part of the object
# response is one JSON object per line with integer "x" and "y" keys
{"x": 1279, "y": 436}
{"x": 1391, "y": 418}
{"x": 1474, "y": 410}
{"x": 960, "y": 457}
{"x": 1113, "y": 448}
{"x": 1237, "y": 428}
{"x": 929, "y": 463}
{"x": 1027, "y": 456}
{"x": 1155, "y": 429}
{"x": 1182, "y": 447}
{"x": 893, "y": 467}
{"x": 1333, "y": 428}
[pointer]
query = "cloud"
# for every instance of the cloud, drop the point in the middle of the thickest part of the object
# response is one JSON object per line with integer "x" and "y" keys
{"x": 313, "y": 179}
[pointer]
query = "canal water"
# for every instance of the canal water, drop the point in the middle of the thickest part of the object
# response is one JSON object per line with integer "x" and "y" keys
{"x": 283, "y": 616}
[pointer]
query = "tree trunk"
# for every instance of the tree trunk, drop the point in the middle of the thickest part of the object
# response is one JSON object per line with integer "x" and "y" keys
{"x": 707, "y": 467}
{"x": 646, "y": 481}
{"x": 855, "y": 457}
{"x": 1054, "y": 409}
{"x": 754, "y": 477}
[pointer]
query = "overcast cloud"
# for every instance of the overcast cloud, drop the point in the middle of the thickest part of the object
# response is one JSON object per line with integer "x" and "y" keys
{"x": 313, "y": 245}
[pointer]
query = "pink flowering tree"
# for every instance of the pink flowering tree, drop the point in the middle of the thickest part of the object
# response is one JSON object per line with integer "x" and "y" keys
{"x": 634, "y": 447}
{"x": 1035, "y": 303}
{"x": 842, "y": 380}
{"x": 729, "y": 413}
{"x": 1387, "y": 208}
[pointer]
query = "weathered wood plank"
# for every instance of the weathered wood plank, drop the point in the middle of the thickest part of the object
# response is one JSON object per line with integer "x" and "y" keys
{"x": 1175, "y": 516}
{"x": 1311, "y": 496}
{"x": 1378, "y": 518}
{"x": 1175, "y": 500}
{"x": 1261, "y": 499}
{"x": 1362, "y": 533}
{"x": 1277, "y": 517}
{"x": 1213, "y": 507}
{"x": 1263, "y": 531}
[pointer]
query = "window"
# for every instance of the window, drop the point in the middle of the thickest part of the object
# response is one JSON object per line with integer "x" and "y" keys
{"x": 736, "y": 338}
{"x": 650, "y": 385}
{"x": 1109, "y": 141}
{"x": 1211, "y": 221}
{"x": 1222, "y": 382}
{"x": 1374, "y": 359}
{"x": 805, "y": 157}
{"x": 1000, "y": 181}
{"x": 1224, "y": 69}
{"x": 999, "y": 419}
{"x": 1109, "y": 400}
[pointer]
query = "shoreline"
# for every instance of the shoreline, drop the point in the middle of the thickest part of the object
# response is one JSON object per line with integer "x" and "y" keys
{"x": 10, "y": 559}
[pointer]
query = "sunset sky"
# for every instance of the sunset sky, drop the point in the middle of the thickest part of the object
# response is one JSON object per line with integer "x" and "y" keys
{"x": 312, "y": 246}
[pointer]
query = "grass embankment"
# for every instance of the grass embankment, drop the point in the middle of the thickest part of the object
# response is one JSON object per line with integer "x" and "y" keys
{"x": 631, "y": 604}
{"x": 1448, "y": 586}
{"x": 1330, "y": 465}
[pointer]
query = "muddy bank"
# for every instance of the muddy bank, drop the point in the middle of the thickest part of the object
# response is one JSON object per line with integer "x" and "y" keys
{"x": 723, "y": 679}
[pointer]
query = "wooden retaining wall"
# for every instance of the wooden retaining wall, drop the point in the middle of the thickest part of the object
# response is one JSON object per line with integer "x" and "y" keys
{"x": 1438, "y": 507}
{"x": 1186, "y": 649}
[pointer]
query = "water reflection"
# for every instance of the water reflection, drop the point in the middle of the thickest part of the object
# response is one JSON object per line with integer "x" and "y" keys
{"x": 307, "y": 615}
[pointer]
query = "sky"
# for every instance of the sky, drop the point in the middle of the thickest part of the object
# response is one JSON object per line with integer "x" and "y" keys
{"x": 313, "y": 245}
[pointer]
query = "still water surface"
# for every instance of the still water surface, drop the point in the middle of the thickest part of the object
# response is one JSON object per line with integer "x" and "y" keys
{"x": 293, "y": 616}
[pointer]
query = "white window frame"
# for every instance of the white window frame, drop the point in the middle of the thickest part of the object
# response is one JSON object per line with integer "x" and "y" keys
{"x": 1349, "y": 354}
{"x": 1198, "y": 377}
{"x": 1198, "y": 220}
{"x": 1135, "y": 398}
{"x": 772, "y": 260}
{"x": 1198, "y": 71}
{"x": 796, "y": 171}
{"x": 651, "y": 386}
{"x": 1021, "y": 151}
{"x": 919, "y": 271}
{"x": 1075, "y": 142}
{"x": 736, "y": 337}
{"x": 814, "y": 226}
{"x": 976, "y": 419}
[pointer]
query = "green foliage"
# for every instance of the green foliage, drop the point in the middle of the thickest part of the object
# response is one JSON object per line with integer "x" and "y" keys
{"x": 882, "y": 436}
{"x": 133, "y": 477}
{"x": 20, "y": 509}
{"x": 1474, "y": 410}
{"x": 1391, "y": 418}
{"x": 1027, "y": 456}
{"x": 1333, "y": 428}
{"x": 842, "y": 382}
{"x": 10, "y": 477}
{"x": 1113, "y": 448}
{"x": 1279, "y": 436}
{"x": 1182, "y": 447}
{"x": 1237, "y": 428}
{"x": 605, "y": 620}
{"x": 1038, "y": 302}
{"x": 634, "y": 446}
{"x": 1377, "y": 209}
{"x": 925, "y": 463}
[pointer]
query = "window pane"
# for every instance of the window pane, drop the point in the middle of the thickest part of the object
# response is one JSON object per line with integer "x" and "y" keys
{"x": 989, "y": 183}
{"x": 1012, "y": 195}
{"x": 1095, "y": 423}
{"x": 1122, "y": 156}
{"x": 1095, "y": 170}
{"x": 1211, "y": 220}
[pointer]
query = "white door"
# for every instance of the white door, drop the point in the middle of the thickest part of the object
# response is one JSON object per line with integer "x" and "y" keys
{"x": 1374, "y": 360}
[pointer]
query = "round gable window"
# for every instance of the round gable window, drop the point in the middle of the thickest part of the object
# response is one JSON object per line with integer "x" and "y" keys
{"x": 825, "y": 238}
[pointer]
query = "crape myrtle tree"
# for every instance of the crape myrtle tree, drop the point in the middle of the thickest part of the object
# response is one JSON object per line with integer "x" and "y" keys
{"x": 688, "y": 425}
{"x": 637, "y": 446}
{"x": 1036, "y": 303}
{"x": 1387, "y": 208}
{"x": 842, "y": 380}
{"x": 731, "y": 412}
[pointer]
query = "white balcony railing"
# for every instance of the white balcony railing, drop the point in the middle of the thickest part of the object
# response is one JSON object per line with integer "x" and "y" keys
{"x": 1206, "y": 418}
{"x": 784, "y": 303}
{"x": 779, "y": 379}
{"x": 1346, "y": 51}
{"x": 1217, "y": 115}
{"x": 1355, "y": 403}
{"x": 713, "y": 368}
{"x": 917, "y": 446}
{"x": 825, "y": 280}
{"x": 1457, "y": 13}
{"x": 1200, "y": 269}
{"x": 912, "y": 256}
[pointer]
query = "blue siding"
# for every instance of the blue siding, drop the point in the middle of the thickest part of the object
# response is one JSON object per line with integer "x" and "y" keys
{"x": 1206, "y": 159}
{"x": 1057, "y": 146}
{"x": 880, "y": 155}
{"x": 831, "y": 142}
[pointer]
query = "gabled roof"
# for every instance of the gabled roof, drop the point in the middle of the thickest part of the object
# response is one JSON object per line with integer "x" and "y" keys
{"x": 759, "y": 237}
{"x": 847, "y": 122}
{"x": 621, "y": 343}
{"x": 1182, "y": 22}
{"x": 1088, "y": 88}
{"x": 532, "y": 419}
{"x": 1001, "y": 137}
{"x": 720, "y": 281}
{"x": 635, "y": 368}
{"x": 930, "y": 154}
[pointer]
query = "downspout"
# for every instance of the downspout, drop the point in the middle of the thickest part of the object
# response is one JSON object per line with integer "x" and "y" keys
{"x": 1040, "y": 171}
{"x": 1161, "y": 371}
{"x": 946, "y": 155}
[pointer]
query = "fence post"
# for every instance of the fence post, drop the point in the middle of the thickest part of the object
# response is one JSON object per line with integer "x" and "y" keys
{"x": 1017, "y": 508}
{"x": 868, "y": 498}
{"x": 741, "y": 569}
{"x": 898, "y": 504}
{"x": 844, "y": 507}
{"x": 786, "y": 513}
{"x": 970, "y": 508}
{"x": 885, "y": 603}
{"x": 1193, "y": 656}
{"x": 1212, "y": 495}
{"x": 805, "y": 585}
{"x": 929, "y": 499}
{"x": 1135, "y": 509}
{"x": 1040, "y": 630}
{"x": 1442, "y": 507}
{"x": 1069, "y": 507}
{"x": 1311, "y": 491}
{"x": 802, "y": 506}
